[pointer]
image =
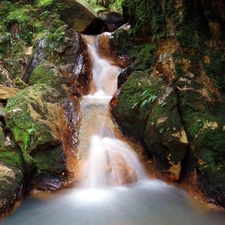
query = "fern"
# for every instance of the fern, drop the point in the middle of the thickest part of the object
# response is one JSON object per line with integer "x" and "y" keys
{"x": 17, "y": 132}
{"x": 146, "y": 97}
{"x": 26, "y": 139}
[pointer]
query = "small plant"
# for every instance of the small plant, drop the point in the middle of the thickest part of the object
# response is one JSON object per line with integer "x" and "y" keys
{"x": 161, "y": 129}
{"x": 44, "y": 3}
{"x": 23, "y": 135}
{"x": 162, "y": 104}
{"x": 146, "y": 97}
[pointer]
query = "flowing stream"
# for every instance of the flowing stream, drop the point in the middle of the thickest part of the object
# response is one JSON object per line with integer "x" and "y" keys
{"x": 115, "y": 189}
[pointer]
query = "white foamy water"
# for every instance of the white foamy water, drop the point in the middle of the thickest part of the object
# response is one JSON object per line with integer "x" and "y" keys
{"x": 104, "y": 74}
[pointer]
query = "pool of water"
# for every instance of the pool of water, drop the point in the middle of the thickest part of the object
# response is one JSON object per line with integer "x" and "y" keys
{"x": 149, "y": 202}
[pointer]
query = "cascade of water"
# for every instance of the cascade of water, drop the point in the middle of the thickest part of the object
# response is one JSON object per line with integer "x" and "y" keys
{"x": 110, "y": 161}
{"x": 104, "y": 74}
{"x": 143, "y": 203}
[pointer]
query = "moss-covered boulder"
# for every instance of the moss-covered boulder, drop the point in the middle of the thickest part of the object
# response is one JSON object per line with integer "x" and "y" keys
{"x": 203, "y": 118}
{"x": 108, "y": 46}
{"x": 181, "y": 126}
{"x": 66, "y": 50}
{"x": 147, "y": 108}
{"x": 32, "y": 116}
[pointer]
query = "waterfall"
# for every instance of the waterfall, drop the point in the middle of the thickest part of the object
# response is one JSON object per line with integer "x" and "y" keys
{"x": 110, "y": 161}
{"x": 102, "y": 198}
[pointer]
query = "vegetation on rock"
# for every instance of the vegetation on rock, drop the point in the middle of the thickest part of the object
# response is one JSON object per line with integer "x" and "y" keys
{"x": 183, "y": 43}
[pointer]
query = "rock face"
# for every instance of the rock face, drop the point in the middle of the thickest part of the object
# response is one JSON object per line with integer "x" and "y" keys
{"x": 39, "y": 123}
{"x": 175, "y": 107}
{"x": 11, "y": 188}
{"x": 11, "y": 171}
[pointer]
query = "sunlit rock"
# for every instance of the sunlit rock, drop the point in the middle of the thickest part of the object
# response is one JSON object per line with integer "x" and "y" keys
{"x": 7, "y": 92}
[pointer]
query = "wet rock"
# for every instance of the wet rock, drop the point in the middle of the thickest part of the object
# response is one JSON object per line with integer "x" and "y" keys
{"x": 46, "y": 182}
{"x": 108, "y": 50}
{"x": 124, "y": 75}
{"x": 126, "y": 173}
{"x": 112, "y": 20}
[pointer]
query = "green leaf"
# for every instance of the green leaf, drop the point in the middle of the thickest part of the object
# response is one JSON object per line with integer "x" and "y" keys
{"x": 163, "y": 104}
{"x": 134, "y": 105}
{"x": 152, "y": 98}
{"x": 144, "y": 103}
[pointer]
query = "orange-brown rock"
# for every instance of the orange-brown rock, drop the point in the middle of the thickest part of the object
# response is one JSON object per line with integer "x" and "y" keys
{"x": 108, "y": 50}
{"x": 7, "y": 92}
{"x": 118, "y": 172}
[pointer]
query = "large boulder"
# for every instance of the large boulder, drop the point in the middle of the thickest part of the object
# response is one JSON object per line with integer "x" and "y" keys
{"x": 66, "y": 50}
{"x": 32, "y": 116}
{"x": 182, "y": 127}
{"x": 43, "y": 117}
{"x": 79, "y": 15}
{"x": 145, "y": 108}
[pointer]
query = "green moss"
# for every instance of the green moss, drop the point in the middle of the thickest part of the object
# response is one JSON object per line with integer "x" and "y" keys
{"x": 55, "y": 40}
{"x": 137, "y": 98}
{"x": 49, "y": 160}
{"x": 194, "y": 30}
{"x": 29, "y": 116}
{"x": 10, "y": 154}
{"x": 44, "y": 3}
{"x": 212, "y": 155}
{"x": 215, "y": 69}
{"x": 146, "y": 57}
{"x": 42, "y": 74}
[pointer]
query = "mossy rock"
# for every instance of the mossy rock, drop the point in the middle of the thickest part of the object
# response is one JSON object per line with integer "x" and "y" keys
{"x": 10, "y": 153}
{"x": 11, "y": 188}
{"x": 205, "y": 123}
{"x": 32, "y": 115}
{"x": 147, "y": 109}
{"x": 46, "y": 74}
